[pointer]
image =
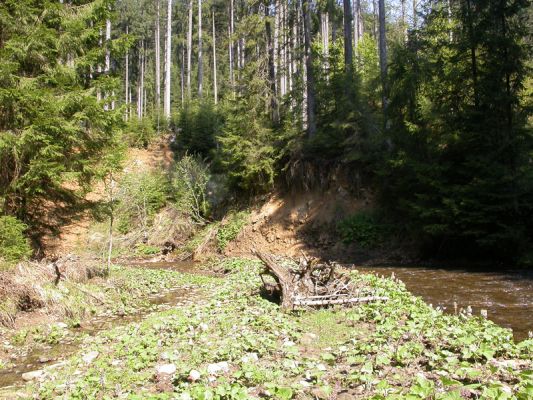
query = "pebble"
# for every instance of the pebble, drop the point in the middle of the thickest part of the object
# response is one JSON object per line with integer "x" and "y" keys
{"x": 30, "y": 376}
{"x": 250, "y": 357}
{"x": 194, "y": 375}
{"x": 44, "y": 359}
{"x": 214, "y": 369}
{"x": 62, "y": 325}
{"x": 90, "y": 357}
{"x": 168, "y": 369}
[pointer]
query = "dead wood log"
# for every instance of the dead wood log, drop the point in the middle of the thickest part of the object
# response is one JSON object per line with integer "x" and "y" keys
{"x": 312, "y": 284}
{"x": 306, "y": 301}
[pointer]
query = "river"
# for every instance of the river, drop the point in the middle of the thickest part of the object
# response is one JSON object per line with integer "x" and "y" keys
{"x": 507, "y": 296}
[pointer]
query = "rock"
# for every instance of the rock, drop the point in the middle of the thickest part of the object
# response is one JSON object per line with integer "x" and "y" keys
{"x": 44, "y": 359}
{"x": 194, "y": 375}
{"x": 305, "y": 383}
{"x": 215, "y": 369}
{"x": 30, "y": 376}
{"x": 62, "y": 325}
{"x": 168, "y": 369}
{"x": 250, "y": 357}
{"x": 90, "y": 357}
{"x": 288, "y": 343}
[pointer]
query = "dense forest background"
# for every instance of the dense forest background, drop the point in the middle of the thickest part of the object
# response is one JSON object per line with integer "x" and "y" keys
{"x": 427, "y": 104}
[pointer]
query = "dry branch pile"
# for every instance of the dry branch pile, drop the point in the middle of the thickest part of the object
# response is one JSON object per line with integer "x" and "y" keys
{"x": 310, "y": 283}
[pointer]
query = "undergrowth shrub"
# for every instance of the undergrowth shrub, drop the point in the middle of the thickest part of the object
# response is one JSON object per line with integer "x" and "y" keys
{"x": 139, "y": 198}
{"x": 199, "y": 124}
{"x": 229, "y": 229}
{"x": 139, "y": 132}
{"x": 363, "y": 228}
{"x": 14, "y": 246}
{"x": 189, "y": 187}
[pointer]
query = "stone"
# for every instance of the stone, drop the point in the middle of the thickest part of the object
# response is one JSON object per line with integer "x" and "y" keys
{"x": 44, "y": 359}
{"x": 30, "y": 376}
{"x": 215, "y": 369}
{"x": 90, "y": 357}
{"x": 194, "y": 375}
{"x": 62, "y": 325}
{"x": 167, "y": 369}
{"x": 249, "y": 357}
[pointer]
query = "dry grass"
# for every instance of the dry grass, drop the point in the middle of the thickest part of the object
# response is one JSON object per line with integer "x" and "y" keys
{"x": 33, "y": 285}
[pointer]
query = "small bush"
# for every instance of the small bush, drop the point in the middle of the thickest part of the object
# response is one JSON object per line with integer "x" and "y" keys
{"x": 364, "y": 229}
{"x": 139, "y": 132}
{"x": 229, "y": 230}
{"x": 198, "y": 124}
{"x": 189, "y": 186}
{"x": 140, "y": 197}
{"x": 14, "y": 246}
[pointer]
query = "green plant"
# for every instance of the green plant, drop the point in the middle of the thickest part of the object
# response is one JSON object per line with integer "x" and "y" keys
{"x": 139, "y": 197}
{"x": 146, "y": 250}
{"x": 229, "y": 229}
{"x": 362, "y": 228}
{"x": 139, "y": 132}
{"x": 189, "y": 187}
{"x": 14, "y": 246}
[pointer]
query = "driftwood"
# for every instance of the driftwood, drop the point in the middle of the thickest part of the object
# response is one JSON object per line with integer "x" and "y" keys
{"x": 310, "y": 283}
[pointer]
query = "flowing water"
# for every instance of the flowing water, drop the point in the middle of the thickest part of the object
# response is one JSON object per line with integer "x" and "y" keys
{"x": 507, "y": 296}
{"x": 41, "y": 357}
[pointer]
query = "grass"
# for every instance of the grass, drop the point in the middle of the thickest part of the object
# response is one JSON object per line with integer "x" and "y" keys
{"x": 401, "y": 349}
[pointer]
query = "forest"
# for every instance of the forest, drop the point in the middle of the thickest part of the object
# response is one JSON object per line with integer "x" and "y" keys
{"x": 427, "y": 105}
{"x": 160, "y": 158}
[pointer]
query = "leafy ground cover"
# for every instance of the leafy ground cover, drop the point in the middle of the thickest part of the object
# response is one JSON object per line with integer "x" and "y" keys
{"x": 125, "y": 292}
{"x": 233, "y": 343}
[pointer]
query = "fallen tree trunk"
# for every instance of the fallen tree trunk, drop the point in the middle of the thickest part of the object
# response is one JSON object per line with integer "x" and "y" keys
{"x": 310, "y": 283}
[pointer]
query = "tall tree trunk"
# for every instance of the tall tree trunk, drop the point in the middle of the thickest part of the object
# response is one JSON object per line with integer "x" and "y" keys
{"x": 383, "y": 55}
{"x": 182, "y": 75}
{"x": 168, "y": 65}
{"x": 473, "y": 57}
{"x": 374, "y": 19}
{"x": 415, "y": 15}
{"x": 274, "y": 112}
{"x": 189, "y": 50}
{"x": 158, "y": 59}
{"x": 200, "y": 54}
{"x": 348, "y": 49}
{"x": 276, "y": 47}
{"x": 215, "y": 88}
{"x": 127, "y": 80}
{"x": 231, "y": 46}
{"x": 324, "y": 17}
{"x": 310, "y": 82}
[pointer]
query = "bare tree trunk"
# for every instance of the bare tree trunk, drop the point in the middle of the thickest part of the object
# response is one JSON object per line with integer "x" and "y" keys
{"x": 275, "y": 52}
{"x": 168, "y": 65}
{"x": 283, "y": 49}
{"x": 415, "y": 15}
{"x": 324, "y": 17}
{"x": 383, "y": 55}
{"x": 189, "y": 50}
{"x": 200, "y": 54}
{"x": 231, "y": 30}
{"x": 310, "y": 82}
{"x": 127, "y": 80}
{"x": 374, "y": 19}
{"x": 215, "y": 88}
{"x": 182, "y": 75}
{"x": 271, "y": 68}
{"x": 158, "y": 59}
{"x": 348, "y": 49}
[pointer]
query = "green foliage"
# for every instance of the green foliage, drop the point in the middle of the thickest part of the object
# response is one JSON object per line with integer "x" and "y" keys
{"x": 197, "y": 126}
{"x": 14, "y": 245}
{"x": 146, "y": 250}
{"x": 364, "y": 229}
{"x": 189, "y": 186}
{"x": 140, "y": 196}
{"x": 53, "y": 130}
{"x": 139, "y": 132}
{"x": 230, "y": 228}
{"x": 459, "y": 172}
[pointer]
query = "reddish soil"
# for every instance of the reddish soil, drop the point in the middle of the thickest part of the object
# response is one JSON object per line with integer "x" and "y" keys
{"x": 293, "y": 223}
{"x": 74, "y": 235}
